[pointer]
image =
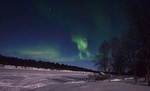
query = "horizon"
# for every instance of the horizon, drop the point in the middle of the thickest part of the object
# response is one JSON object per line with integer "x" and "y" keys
{"x": 37, "y": 61}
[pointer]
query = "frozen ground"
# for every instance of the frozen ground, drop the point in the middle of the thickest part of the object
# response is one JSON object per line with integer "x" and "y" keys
{"x": 12, "y": 79}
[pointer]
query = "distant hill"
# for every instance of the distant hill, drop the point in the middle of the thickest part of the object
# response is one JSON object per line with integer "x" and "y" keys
{"x": 39, "y": 64}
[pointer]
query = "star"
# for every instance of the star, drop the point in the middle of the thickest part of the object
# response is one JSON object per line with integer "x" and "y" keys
{"x": 49, "y": 9}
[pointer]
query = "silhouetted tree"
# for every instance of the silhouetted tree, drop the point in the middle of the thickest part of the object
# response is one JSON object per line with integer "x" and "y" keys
{"x": 130, "y": 45}
{"x": 139, "y": 17}
{"x": 117, "y": 56}
{"x": 101, "y": 60}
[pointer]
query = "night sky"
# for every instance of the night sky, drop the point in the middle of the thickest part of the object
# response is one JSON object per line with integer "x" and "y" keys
{"x": 63, "y": 31}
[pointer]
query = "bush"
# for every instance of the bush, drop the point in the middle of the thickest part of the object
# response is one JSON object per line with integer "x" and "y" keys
{"x": 98, "y": 77}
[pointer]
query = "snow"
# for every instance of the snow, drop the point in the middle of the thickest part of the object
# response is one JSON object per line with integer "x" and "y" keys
{"x": 115, "y": 80}
{"x": 129, "y": 78}
{"x": 33, "y": 79}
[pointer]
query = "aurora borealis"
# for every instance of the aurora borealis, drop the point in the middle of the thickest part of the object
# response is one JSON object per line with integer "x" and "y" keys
{"x": 82, "y": 46}
{"x": 65, "y": 31}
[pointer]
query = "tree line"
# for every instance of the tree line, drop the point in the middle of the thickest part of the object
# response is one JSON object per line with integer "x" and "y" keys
{"x": 39, "y": 64}
{"x": 131, "y": 52}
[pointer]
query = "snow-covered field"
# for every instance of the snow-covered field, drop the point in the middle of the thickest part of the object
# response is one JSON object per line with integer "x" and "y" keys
{"x": 18, "y": 79}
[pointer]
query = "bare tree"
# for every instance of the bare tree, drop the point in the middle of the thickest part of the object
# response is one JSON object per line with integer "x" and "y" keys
{"x": 130, "y": 45}
{"x": 139, "y": 17}
{"x": 117, "y": 55}
{"x": 101, "y": 60}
